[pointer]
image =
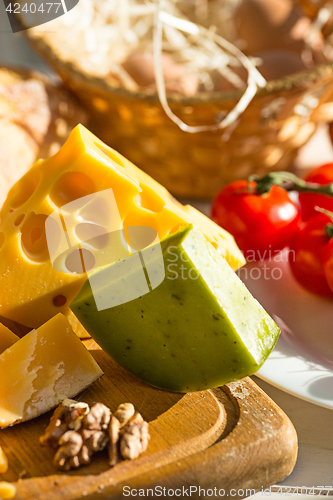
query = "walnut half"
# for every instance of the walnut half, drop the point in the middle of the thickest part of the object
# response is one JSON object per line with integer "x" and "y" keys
{"x": 67, "y": 416}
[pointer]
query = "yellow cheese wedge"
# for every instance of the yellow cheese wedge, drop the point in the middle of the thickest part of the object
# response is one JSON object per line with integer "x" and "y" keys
{"x": 31, "y": 290}
{"x": 76, "y": 325}
{"x": 43, "y": 368}
{"x": 7, "y": 338}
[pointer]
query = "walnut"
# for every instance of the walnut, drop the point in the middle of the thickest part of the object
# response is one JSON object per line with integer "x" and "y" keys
{"x": 78, "y": 432}
{"x": 67, "y": 416}
{"x": 84, "y": 455}
{"x": 76, "y": 414}
{"x": 124, "y": 413}
{"x": 113, "y": 443}
{"x": 130, "y": 438}
{"x": 136, "y": 419}
{"x": 135, "y": 438}
{"x": 98, "y": 417}
{"x": 70, "y": 447}
{"x": 95, "y": 440}
{"x": 120, "y": 418}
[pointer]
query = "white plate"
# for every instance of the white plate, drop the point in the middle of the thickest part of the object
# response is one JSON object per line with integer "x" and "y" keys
{"x": 302, "y": 360}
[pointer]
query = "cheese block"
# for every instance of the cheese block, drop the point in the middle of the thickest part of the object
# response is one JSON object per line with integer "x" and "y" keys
{"x": 43, "y": 368}
{"x": 7, "y": 338}
{"x": 32, "y": 289}
{"x": 198, "y": 329}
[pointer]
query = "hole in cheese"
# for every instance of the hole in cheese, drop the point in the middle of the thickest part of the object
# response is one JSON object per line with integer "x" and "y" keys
{"x": 98, "y": 211}
{"x": 149, "y": 200}
{"x": 36, "y": 234}
{"x": 80, "y": 261}
{"x": 140, "y": 237}
{"x": 146, "y": 221}
{"x": 93, "y": 234}
{"x": 71, "y": 186}
{"x": 22, "y": 191}
{"x": 59, "y": 301}
{"x": 110, "y": 154}
{"x": 19, "y": 220}
{"x": 33, "y": 239}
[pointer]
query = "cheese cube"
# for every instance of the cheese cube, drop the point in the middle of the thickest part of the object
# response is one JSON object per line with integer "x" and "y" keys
{"x": 31, "y": 289}
{"x": 43, "y": 368}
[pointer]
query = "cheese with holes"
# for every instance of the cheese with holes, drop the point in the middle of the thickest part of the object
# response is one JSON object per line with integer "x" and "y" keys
{"x": 43, "y": 368}
{"x": 7, "y": 338}
{"x": 34, "y": 289}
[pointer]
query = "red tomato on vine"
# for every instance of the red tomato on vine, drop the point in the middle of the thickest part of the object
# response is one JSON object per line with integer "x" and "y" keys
{"x": 262, "y": 224}
{"x": 310, "y": 252}
{"x": 308, "y": 201}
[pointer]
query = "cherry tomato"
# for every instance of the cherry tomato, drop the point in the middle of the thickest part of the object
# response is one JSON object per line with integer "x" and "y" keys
{"x": 260, "y": 224}
{"x": 321, "y": 175}
{"x": 306, "y": 255}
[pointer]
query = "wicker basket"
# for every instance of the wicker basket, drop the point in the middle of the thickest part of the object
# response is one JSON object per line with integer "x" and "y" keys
{"x": 280, "y": 119}
{"x": 311, "y": 7}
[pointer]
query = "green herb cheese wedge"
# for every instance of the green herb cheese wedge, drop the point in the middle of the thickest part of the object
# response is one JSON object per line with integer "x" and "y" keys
{"x": 199, "y": 328}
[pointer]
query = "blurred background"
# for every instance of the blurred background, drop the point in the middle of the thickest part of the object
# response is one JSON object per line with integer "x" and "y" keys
{"x": 15, "y": 50}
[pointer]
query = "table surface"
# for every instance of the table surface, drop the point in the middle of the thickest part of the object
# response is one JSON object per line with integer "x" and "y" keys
{"x": 314, "y": 466}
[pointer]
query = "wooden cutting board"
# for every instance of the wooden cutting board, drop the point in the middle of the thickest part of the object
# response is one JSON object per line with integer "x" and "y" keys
{"x": 233, "y": 437}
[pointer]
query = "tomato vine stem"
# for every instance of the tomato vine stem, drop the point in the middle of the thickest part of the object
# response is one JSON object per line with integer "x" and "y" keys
{"x": 290, "y": 182}
{"x": 329, "y": 227}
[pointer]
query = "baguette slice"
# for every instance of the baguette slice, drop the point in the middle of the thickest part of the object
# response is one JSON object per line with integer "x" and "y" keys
{"x": 36, "y": 118}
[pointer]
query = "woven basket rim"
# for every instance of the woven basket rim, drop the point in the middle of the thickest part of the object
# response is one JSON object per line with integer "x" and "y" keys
{"x": 293, "y": 82}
